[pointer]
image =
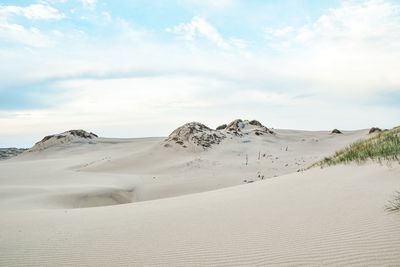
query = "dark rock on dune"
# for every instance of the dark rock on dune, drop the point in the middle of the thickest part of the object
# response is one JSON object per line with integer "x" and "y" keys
{"x": 336, "y": 131}
{"x": 235, "y": 126}
{"x": 374, "y": 130}
{"x": 256, "y": 123}
{"x": 83, "y": 134}
{"x": 221, "y": 127}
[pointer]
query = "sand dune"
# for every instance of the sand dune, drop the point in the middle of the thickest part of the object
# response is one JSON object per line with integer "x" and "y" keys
{"x": 156, "y": 171}
{"x": 246, "y": 201}
{"x": 319, "y": 217}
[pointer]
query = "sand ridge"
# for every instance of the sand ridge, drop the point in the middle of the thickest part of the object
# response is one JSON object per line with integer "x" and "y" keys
{"x": 157, "y": 171}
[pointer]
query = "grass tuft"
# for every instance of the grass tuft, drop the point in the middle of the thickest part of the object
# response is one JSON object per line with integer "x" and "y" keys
{"x": 384, "y": 146}
{"x": 394, "y": 205}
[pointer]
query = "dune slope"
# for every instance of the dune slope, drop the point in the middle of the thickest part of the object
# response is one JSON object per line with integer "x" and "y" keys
{"x": 333, "y": 216}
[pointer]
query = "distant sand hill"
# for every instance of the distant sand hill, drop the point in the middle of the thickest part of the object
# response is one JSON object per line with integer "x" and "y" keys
{"x": 10, "y": 152}
{"x": 68, "y": 137}
{"x": 196, "y": 135}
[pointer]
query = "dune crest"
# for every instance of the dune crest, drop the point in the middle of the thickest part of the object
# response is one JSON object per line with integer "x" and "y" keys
{"x": 71, "y": 136}
{"x": 245, "y": 127}
{"x": 195, "y": 135}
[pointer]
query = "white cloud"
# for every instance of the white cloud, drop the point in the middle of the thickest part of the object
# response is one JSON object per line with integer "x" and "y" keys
{"x": 154, "y": 106}
{"x": 89, "y": 4}
{"x": 11, "y": 32}
{"x": 16, "y": 33}
{"x": 55, "y": 1}
{"x": 372, "y": 22}
{"x": 106, "y": 17}
{"x": 33, "y": 12}
{"x": 200, "y": 27}
{"x": 210, "y": 4}
{"x": 327, "y": 68}
{"x": 353, "y": 48}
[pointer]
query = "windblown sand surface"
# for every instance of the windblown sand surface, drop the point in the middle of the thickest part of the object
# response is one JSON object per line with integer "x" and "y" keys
{"x": 134, "y": 202}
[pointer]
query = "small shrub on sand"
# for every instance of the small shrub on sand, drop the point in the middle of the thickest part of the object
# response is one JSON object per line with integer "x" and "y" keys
{"x": 383, "y": 146}
{"x": 394, "y": 205}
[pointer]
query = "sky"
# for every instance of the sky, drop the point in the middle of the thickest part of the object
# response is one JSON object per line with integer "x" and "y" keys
{"x": 143, "y": 68}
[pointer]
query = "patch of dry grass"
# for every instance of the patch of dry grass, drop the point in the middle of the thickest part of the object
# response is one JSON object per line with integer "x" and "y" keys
{"x": 394, "y": 205}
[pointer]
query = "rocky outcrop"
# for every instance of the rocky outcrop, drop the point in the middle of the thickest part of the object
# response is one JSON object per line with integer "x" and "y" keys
{"x": 195, "y": 135}
{"x": 336, "y": 131}
{"x": 235, "y": 127}
{"x": 68, "y": 137}
{"x": 10, "y": 152}
{"x": 256, "y": 123}
{"x": 244, "y": 127}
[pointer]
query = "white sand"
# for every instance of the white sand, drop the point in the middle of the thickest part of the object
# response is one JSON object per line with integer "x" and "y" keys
{"x": 59, "y": 206}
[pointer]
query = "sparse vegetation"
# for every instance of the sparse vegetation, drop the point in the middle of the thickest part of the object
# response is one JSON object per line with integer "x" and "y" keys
{"x": 374, "y": 130}
{"x": 394, "y": 205}
{"x": 383, "y": 146}
{"x": 6, "y": 153}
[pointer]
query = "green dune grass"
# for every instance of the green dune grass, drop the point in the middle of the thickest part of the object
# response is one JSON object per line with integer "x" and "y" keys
{"x": 384, "y": 146}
